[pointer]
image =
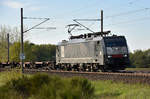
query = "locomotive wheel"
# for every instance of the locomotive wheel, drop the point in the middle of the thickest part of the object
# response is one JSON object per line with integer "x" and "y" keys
{"x": 103, "y": 69}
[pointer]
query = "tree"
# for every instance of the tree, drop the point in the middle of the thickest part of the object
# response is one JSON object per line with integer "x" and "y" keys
{"x": 15, "y": 52}
{"x": 33, "y": 52}
{"x": 28, "y": 51}
{"x": 44, "y": 52}
{"x": 14, "y": 36}
{"x": 140, "y": 58}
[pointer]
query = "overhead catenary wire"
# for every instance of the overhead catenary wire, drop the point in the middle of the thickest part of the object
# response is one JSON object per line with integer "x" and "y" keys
{"x": 127, "y": 13}
{"x": 130, "y": 21}
{"x": 90, "y": 5}
{"x": 87, "y": 19}
{"x": 87, "y": 6}
{"x": 116, "y": 15}
{"x": 92, "y": 24}
{"x": 120, "y": 14}
{"x": 132, "y": 2}
{"x": 45, "y": 28}
{"x": 37, "y": 25}
{"x": 83, "y": 8}
{"x": 83, "y": 26}
{"x": 36, "y": 18}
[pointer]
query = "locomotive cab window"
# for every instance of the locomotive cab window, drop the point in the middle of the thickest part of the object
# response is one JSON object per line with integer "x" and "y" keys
{"x": 115, "y": 42}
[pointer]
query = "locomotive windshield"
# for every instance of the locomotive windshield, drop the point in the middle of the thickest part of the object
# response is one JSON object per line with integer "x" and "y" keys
{"x": 115, "y": 41}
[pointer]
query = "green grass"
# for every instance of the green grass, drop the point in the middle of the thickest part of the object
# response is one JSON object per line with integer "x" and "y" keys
{"x": 111, "y": 90}
{"x": 14, "y": 85}
{"x": 8, "y": 76}
{"x": 138, "y": 69}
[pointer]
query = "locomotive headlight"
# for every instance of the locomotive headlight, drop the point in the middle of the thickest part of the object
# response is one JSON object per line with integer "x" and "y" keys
{"x": 125, "y": 55}
{"x": 109, "y": 56}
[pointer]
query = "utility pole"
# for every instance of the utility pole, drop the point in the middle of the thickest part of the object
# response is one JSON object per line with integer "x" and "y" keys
{"x": 22, "y": 46}
{"x": 101, "y": 21}
{"x": 22, "y": 56}
{"x": 8, "y": 46}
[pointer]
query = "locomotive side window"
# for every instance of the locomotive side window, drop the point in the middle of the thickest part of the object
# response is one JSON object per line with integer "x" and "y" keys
{"x": 62, "y": 51}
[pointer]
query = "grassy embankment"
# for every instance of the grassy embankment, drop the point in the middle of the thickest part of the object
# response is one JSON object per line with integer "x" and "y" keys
{"x": 138, "y": 69}
{"x": 42, "y": 86}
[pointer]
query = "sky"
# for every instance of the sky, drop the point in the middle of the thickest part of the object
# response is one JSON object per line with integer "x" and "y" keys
{"x": 130, "y": 18}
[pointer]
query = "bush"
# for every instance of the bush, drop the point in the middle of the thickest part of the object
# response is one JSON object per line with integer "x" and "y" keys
{"x": 43, "y": 86}
{"x": 85, "y": 87}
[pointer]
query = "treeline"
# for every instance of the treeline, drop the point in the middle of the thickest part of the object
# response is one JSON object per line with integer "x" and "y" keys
{"x": 140, "y": 59}
{"x": 44, "y": 52}
{"x": 33, "y": 52}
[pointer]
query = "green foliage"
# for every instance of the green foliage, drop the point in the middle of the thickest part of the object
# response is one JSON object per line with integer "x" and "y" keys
{"x": 44, "y": 52}
{"x": 3, "y": 43}
{"x": 9, "y": 75}
{"x": 140, "y": 59}
{"x": 29, "y": 56}
{"x": 14, "y": 37}
{"x": 15, "y": 52}
{"x": 32, "y": 52}
{"x": 85, "y": 87}
{"x": 43, "y": 86}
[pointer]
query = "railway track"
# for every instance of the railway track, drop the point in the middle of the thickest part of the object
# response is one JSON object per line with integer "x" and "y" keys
{"x": 141, "y": 78}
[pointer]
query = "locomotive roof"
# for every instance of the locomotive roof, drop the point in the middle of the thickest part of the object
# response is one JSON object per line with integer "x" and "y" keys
{"x": 80, "y": 40}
